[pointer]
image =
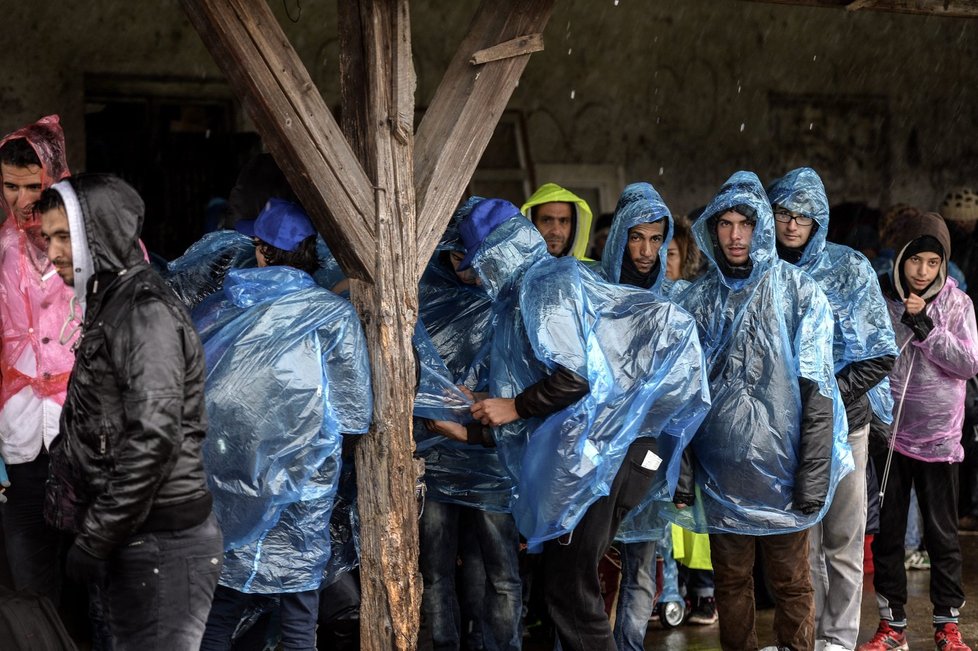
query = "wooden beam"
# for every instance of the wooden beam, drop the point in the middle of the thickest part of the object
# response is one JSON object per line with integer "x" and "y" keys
{"x": 377, "y": 91}
{"x": 466, "y": 107}
{"x": 263, "y": 69}
{"x": 948, "y": 8}
{"x": 516, "y": 47}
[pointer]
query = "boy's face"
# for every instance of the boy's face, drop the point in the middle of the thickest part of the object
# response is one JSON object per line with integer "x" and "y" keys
{"x": 21, "y": 188}
{"x": 644, "y": 242}
{"x": 734, "y": 233}
{"x": 921, "y": 269}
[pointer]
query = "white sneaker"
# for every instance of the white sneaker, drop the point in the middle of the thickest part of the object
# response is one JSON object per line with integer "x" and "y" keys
{"x": 830, "y": 646}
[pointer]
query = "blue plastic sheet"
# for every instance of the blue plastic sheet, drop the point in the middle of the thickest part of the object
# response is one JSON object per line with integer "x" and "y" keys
{"x": 639, "y": 354}
{"x": 287, "y": 375}
{"x": 453, "y": 349}
{"x": 862, "y": 324}
{"x": 760, "y": 334}
{"x": 200, "y": 271}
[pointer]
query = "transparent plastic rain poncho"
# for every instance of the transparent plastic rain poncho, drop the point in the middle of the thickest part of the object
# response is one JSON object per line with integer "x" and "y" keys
{"x": 862, "y": 324}
{"x": 201, "y": 270}
{"x": 287, "y": 375}
{"x": 760, "y": 334}
{"x": 640, "y": 203}
{"x": 929, "y": 377}
{"x": 452, "y": 344}
{"x": 33, "y": 310}
{"x": 639, "y": 354}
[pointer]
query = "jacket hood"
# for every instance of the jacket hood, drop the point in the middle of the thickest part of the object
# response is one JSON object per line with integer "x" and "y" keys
{"x": 112, "y": 215}
{"x": 550, "y": 192}
{"x": 741, "y": 189}
{"x": 801, "y": 191}
{"x": 48, "y": 141}
{"x": 451, "y": 240}
{"x": 505, "y": 255}
{"x": 912, "y": 227}
{"x": 639, "y": 203}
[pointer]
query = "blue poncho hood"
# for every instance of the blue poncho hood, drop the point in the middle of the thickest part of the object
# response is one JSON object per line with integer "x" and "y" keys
{"x": 639, "y": 354}
{"x": 287, "y": 374}
{"x": 639, "y": 203}
{"x": 862, "y": 323}
{"x": 760, "y": 335}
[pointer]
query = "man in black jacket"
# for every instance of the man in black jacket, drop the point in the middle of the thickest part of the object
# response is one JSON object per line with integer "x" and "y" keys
{"x": 126, "y": 471}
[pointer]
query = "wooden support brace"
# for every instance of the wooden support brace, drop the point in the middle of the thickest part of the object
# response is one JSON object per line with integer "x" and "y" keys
{"x": 947, "y": 8}
{"x": 264, "y": 70}
{"x": 514, "y": 48}
{"x": 856, "y": 5}
{"x": 463, "y": 114}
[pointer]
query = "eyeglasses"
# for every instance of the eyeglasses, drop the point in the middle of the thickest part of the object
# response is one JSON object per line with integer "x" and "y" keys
{"x": 785, "y": 217}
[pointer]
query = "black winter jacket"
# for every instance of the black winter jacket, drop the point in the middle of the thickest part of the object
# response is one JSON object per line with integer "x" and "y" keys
{"x": 128, "y": 457}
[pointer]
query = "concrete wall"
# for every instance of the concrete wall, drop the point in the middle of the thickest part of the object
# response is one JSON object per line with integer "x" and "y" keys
{"x": 677, "y": 92}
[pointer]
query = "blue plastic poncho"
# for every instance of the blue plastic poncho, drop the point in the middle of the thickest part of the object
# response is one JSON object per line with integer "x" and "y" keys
{"x": 200, "y": 271}
{"x": 862, "y": 324}
{"x": 287, "y": 375}
{"x": 760, "y": 334}
{"x": 639, "y": 354}
{"x": 640, "y": 203}
{"x": 457, "y": 318}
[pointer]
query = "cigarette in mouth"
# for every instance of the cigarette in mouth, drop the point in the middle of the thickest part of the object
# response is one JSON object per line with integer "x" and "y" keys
{"x": 49, "y": 274}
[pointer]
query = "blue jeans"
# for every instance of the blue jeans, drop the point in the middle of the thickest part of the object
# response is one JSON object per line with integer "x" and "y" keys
{"x": 441, "y": 524}
{"x": 636, "y": 595}
{"x": 159, "y": 588}
{"x": 298, "y": 612}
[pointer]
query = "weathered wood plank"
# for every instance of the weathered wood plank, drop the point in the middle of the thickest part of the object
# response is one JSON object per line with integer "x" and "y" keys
{"x": 245, "y": 39}
{"x": 377, "y": 90}
{"x": 463, "y": 114}
{"x": 523, "y": 45}
{"x": 948, "y": 8}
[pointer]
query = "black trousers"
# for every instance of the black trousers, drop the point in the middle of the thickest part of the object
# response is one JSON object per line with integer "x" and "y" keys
{"x": 937, "y": 493}
{"x": 571, "y": 585}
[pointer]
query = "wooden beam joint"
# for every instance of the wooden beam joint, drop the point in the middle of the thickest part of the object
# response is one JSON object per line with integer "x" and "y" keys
{"x": 519, "y": 46}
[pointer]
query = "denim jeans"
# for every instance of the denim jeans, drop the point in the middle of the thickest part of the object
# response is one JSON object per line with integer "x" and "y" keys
{"x": 298, "y": 612}
{"x": 636, "y": 595}
{"x": 498, "y": 540}
{"x": 159, "y": 588}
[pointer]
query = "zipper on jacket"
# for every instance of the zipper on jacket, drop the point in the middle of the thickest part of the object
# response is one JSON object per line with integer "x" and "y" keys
{"x": 101, "y": 442}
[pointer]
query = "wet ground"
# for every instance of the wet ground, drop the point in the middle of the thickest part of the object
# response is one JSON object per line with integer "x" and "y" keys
{"x": 705, "y": 638}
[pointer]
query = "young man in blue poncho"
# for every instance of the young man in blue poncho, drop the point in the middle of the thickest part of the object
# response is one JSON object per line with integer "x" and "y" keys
{"x": 864, "y": 350}
{"x": 596, "y": 389}
{"x": 468, "y": 492}
{"x": 772, "y": 448}
{"x": 287, "y": 377}
{"x": 640, "y": 233}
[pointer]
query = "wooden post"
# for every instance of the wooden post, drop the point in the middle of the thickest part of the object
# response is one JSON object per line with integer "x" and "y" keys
{"x": 377, "y": 89}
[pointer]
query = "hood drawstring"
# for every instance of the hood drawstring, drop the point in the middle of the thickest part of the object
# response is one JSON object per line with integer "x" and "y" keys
{"x": 73, "y": 308}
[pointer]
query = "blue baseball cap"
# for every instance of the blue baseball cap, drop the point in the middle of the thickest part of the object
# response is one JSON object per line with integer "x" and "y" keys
{"x": 281, "y": 223}
{"x": 483, "y": 220}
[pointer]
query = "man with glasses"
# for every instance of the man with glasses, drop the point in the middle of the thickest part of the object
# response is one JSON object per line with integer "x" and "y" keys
{"x": 864, "y": 350}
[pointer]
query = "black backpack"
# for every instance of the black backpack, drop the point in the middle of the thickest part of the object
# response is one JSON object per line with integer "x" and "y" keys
{"x": 29, "y": 622}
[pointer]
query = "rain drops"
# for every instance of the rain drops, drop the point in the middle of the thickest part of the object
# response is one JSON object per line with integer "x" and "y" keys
{"x": 572, "y": 94}
{"x": 743, "y": 125}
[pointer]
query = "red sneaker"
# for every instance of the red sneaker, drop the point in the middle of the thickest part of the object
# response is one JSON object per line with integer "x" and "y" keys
{"x": 948, "y": 638}
{"x": 888, "y": 639}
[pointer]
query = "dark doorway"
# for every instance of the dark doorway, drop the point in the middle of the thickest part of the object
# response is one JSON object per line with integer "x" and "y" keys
{"x": 176, "y": 143}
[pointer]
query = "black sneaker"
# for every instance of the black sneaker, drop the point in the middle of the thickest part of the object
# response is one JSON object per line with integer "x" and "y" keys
{"x": 704, "y": 612}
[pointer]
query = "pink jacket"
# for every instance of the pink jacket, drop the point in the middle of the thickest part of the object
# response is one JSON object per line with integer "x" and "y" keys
{"x": 928, "y": 378}
{"x": 32, "y": 309}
